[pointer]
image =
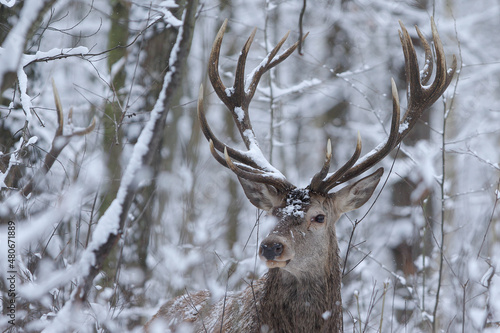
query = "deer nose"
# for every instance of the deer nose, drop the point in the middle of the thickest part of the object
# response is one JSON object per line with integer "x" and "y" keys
{"x": 271, "y": 250}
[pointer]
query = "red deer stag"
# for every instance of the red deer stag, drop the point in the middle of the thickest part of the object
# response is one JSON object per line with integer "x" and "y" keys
{"x": 301, "y": 290}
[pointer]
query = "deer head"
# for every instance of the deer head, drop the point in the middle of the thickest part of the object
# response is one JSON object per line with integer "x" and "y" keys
{"x": 301, "y": 291}
{"x": 303, "y": 241}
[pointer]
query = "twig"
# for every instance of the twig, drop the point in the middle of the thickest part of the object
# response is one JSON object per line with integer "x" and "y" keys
{"x": 386, "y": 284}
{"x": 464, "y": 287}
{"x": 271, "y": 93}
{"x": 356, "y": 295}
{"x": 301, "y": 17}
{"x": 92, "y": 55}
{"x": 497, "y": 199}
{"x": 443, "y": 210}
{"x": 371, "y": 305}
{"x": 368, "y": 210}
{"x": 446, "y": 113}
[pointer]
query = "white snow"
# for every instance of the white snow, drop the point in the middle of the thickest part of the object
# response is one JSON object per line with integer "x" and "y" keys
{"x": 197, "y": 201}
{"x": 14, "y": 43}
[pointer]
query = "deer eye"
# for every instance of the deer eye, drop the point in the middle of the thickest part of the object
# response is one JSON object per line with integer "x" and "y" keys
{"x": 319, "y": 218}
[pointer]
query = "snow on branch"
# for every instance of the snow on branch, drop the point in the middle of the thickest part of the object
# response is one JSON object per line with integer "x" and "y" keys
{"x": 54, "y": 54}
{"x": 8, "y": 3}
{"x": 279, "y": 92}
{"x": 110, "y": 226}
{"x": 16, "y": 40}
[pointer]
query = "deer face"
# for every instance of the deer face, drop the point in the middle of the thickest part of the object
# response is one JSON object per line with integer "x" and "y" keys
{"x": 303, "y": 239}
{"x": 303, "y": 233}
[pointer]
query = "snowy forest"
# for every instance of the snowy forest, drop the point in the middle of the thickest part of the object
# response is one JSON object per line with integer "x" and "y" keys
{"x": 111, "y": 202}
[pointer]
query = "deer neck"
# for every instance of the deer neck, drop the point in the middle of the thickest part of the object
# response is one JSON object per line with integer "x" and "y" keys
{"x": 304, "y": 303}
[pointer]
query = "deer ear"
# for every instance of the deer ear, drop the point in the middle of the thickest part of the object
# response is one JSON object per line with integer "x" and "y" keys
{"x": 262, "y": 196}
{"x": 356, "y": 195}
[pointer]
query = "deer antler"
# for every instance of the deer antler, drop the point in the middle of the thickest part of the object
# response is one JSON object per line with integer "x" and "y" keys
{"x": 59, "y": 142}
{"x": 250, "y": 164}
{"x": 420, "y": 97}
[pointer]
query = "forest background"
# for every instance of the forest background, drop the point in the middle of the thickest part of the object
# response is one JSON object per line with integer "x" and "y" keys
{"x": 111, "y": 203}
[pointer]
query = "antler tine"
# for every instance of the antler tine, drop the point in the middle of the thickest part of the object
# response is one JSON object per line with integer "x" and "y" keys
{"x": 279, "y": 182}
{"x": 216, "y": 143}
{"x": 429, "y": 62}
{"x": 213, "y": 67}
{"x": 442, "y": 71}
{"x": 85, "y": 130}
{"x": 223, "y": 161}
{"x": 270, "y": 63}
{"x": 237, "y": 99}
{"x": 420, "y": 97}
{"x": 287, "y": 52}
{"x": 59, "y": 109}
{"x": 330, "y": 182}
{"x": 348, "y": 171}
{"x": 318, "y": 178}
{"x": 239, "y": 94}
{"x": 60, "y": 117}
{"x": 251, "y": 164}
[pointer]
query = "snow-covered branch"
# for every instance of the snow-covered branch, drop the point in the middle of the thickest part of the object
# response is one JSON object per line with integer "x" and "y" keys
{"x": 110, "y": 226}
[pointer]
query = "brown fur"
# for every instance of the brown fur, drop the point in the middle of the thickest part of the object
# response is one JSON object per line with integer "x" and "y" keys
{"x": 303, "y": 295}
{"x": 278, "y": 302}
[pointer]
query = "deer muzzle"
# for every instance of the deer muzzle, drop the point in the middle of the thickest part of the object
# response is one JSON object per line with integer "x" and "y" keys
{"x": 275, "y": 251}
